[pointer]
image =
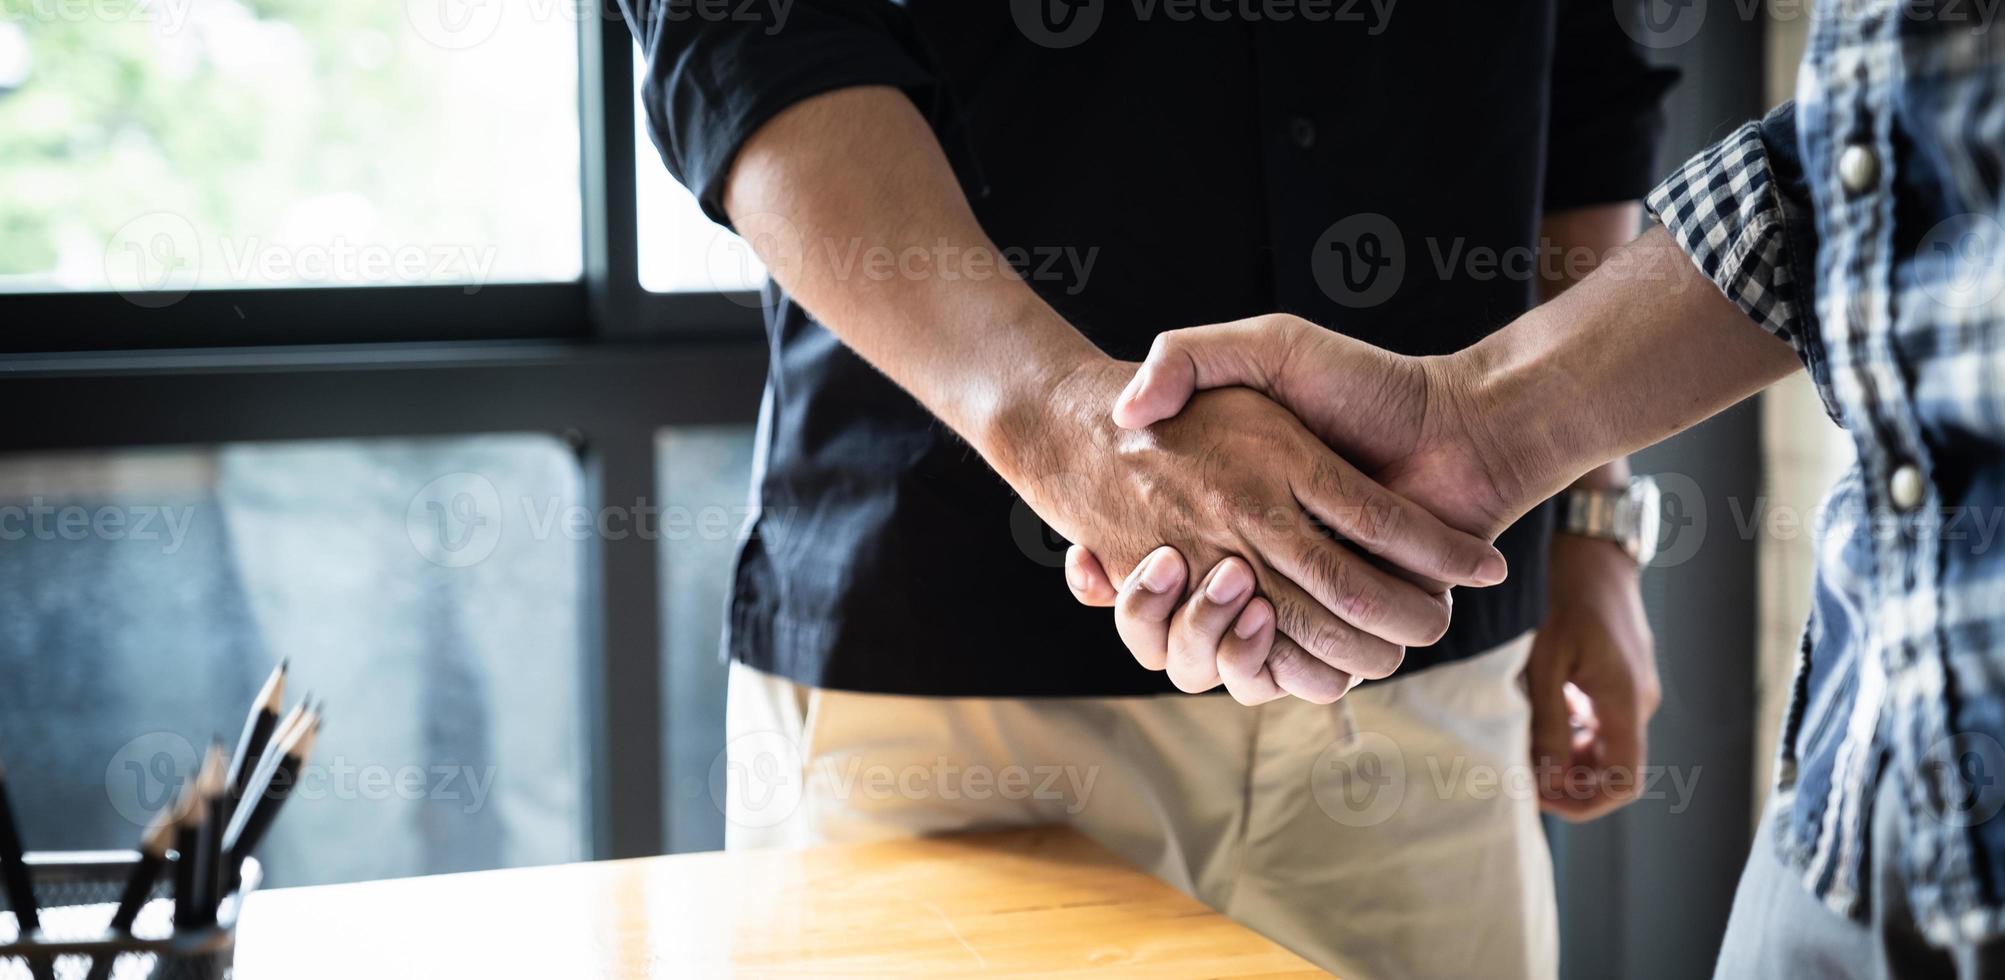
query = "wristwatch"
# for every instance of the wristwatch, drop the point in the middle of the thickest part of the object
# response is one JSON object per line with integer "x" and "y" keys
{"x": 1629, "y": 517}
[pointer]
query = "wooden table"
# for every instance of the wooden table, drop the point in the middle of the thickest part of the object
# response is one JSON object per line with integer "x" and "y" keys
{"x": 1043, "y": 901}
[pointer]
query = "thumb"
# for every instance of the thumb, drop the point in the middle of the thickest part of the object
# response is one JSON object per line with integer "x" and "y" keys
{"x": 1087, "y": 578}
{"x": 1248, "y": 353}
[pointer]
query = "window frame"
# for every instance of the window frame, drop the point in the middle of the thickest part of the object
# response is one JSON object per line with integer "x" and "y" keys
{"x": 597, "y": 361}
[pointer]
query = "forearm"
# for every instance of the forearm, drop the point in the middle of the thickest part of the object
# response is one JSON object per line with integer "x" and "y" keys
{"x": 849, "y": 200}
{"x": 1640, "y": 350}
{"x": 1581, "y": 238}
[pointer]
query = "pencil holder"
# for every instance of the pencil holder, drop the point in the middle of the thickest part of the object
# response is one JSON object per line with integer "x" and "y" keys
{"x": 79, "y": 890}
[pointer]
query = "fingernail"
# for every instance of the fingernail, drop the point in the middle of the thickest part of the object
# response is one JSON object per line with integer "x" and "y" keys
{"x": 1492, "y": 570}
{"x": 1158, "y": 572}
{"x": 1252, "y": 621}
{"x": 1227, "y": 584}
{"x": 1076, "y": 577}
{"x": 1133, "y": 389}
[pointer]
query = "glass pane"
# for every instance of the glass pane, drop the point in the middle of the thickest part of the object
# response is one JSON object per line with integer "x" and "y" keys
{"x": 150, "y": 591}
{"x": 682, "y": 250}
{"x": 704, "y": 473}
{"x": 162, "y": 147}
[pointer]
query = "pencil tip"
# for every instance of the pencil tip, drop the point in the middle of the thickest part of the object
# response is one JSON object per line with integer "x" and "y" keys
{"x": 273, "y": 696}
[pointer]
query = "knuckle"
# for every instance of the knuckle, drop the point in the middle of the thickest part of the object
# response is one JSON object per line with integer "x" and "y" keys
{"x": 1379, "y": 523}
{"x": 1303, "y": 676}
{"x": 1355, "y": 597}
{"x": 1321, "y": 636}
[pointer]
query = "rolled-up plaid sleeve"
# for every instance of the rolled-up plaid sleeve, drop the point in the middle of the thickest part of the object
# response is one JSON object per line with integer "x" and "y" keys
{"x": 1741, "y": 210}
{"x": 716, "y": 73}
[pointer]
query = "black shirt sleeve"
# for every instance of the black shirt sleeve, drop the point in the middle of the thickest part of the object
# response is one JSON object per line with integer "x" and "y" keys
{"x": 1607, "y": 112}
{"x": 716, "y": 72}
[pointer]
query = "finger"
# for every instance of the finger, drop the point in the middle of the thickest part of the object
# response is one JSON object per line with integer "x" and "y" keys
{"x": 1394, "y": 528}
{"x": 1148, "y": 598}
{"x": 1355, "y": 590}
{"x": 1249, "y": 353}
{"x": 1301, "y": 674}
{"x": 1621, "y": 736}
{"x": 1552, "y": 719}
{"x": 1319, "y": 632}
{"x": 1242, "y": 655}
{"x": 1202, "y": 623}
{"x": 1088, "y": 581}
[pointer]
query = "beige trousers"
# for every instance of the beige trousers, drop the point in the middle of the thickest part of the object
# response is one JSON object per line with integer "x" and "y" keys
{"x": 1393, "y": 834}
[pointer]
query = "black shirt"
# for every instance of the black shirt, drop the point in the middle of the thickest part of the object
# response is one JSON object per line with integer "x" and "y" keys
{"x": 1162, "y": 169}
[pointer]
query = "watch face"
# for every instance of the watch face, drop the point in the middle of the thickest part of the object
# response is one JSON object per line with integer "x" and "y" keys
{"x": 1647, "y": 504}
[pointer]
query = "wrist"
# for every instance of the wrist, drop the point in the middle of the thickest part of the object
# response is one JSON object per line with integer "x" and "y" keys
{"x": 1529, "y": 417}
{"x": 1048, "y": 409}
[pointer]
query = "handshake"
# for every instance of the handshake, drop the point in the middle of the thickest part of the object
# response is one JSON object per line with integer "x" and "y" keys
{"x": 1285, "y": 509}
{"x": 1330, "y": 493}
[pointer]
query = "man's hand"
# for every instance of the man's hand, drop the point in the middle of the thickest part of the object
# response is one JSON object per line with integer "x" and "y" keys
{"x": 1236, "y": 474}
{"x": 1388, "y": 414}
{"x": 1405, "y": 420}
{"x": 1592, "y": 678}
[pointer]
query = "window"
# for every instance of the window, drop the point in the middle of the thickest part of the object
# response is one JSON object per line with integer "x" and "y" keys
{"x": 264, "y": 265}
{"x": 155, "y": 148}
{"x": 428, "y": 590}
{"x": 681, "y": 249}
{"x": 703, "y": 471}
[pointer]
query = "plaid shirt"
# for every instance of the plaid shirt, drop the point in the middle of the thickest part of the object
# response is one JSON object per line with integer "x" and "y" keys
{"x": 1862, "y": 224}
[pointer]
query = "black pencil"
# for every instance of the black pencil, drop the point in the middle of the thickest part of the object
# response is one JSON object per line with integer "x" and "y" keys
{"x": 153, "y": 847}
{"x": 256, "y": 736}
{"x": 255, "y": 818}
{"x": 14, "y": 867}
{"x": 188, "y": 842}
{"x": 213, "y": 785}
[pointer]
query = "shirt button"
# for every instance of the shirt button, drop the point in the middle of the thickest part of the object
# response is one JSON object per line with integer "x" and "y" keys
{"x": 1302, "y": 131}
{"x": 1905, "y": 487}
{"x": 1858, "y": 168}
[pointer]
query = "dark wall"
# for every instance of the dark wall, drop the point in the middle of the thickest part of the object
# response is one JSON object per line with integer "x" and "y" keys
{"x": 1645, "y": 893}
